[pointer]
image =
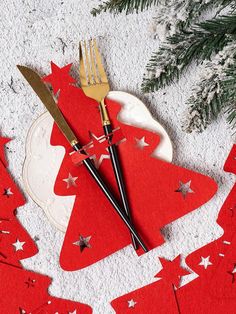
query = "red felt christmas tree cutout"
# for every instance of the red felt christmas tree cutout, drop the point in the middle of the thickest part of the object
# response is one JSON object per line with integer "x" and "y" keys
{"x": 159, "y": 192}
{"x": 22, "y": 291}
{"x": 214, "y": 291}
{"x": 172, "y": 271}
{"x": 15, "y": 243}
{"x": 158, "y": 297}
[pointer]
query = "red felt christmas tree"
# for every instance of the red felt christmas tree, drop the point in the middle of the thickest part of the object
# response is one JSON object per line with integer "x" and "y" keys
{"x": 158, "y": 297}
{"x": 22, "y": 291}
{"x": 15, "y": 243}
{"x": 214, "y": 291}
{"x": 159, "y": 192}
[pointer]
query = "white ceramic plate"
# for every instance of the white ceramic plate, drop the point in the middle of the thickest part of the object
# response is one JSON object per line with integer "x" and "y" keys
{"x": 43, "y": 161}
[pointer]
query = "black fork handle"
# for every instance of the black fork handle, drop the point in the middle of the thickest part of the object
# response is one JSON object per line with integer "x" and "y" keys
{"x": 119, "y": 177}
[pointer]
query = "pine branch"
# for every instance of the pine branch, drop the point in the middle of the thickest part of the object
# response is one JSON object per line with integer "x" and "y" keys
{"x": 230, "y": 85}
{"x": 200, "y": 43}
{"x": 129, "y": 6}
{"x": 206, "y": 105}
{"x": 215, "y": 93}
{"x": 179, "y": 15}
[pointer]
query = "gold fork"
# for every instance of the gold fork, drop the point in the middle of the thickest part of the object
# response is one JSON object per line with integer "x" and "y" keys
{"x": 95, "y": 84}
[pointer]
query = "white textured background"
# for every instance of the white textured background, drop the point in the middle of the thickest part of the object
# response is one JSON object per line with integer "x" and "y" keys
{"x": 35, "y": 32}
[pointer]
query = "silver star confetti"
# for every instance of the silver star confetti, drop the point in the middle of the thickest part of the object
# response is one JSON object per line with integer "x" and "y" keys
{"x": 8, "y": 192}
{"x": 83, "y": 242}
{"x": 184, "y": 188}
{"x": 131, "y": 303}
{"x": 140, "y": 143}
{"x": 18, "y": 245}
{"x": 205, "y": 262}
{"x": 70, "y": 181}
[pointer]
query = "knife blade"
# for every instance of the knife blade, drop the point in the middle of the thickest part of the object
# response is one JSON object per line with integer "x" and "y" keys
{"x": 47, "y": 99}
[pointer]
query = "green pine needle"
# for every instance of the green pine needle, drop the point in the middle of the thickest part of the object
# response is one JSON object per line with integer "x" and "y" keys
{"x": 200, "y": 43}
{"x": 213, "y": 40}
{"x": 214, "y": 94}
{"x": 129, "y": 6}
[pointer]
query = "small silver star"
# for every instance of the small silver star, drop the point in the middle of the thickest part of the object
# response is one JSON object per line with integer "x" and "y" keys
{"x": 8, "y": 192}
{"x": 184, "y": 188}
{"x": 83, "y": 242}
{"x": 140, "y": 143}
{"x": 70, "y": 181}
{"x": 131, "y": 303}
{"x": 18, "y": 245}
{"x": 205, "y": 262}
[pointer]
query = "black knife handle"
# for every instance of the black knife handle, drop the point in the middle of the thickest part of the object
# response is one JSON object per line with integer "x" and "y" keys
{"x": 119, "y": 177}
{"x": 96, "y": 175}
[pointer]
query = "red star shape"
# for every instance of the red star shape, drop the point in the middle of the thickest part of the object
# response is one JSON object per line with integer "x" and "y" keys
{"x": 3, "y": 142}
{"x": 99, "y": 148}
{"x": 172, "y": 271}
{"x": 59, "y": 78}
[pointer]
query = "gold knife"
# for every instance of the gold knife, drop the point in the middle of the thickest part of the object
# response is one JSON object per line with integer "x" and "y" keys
{"x": 47, "y": 99}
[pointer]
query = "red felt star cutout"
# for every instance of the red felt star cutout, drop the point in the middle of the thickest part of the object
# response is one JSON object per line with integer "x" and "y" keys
{"x": 3, "y": 142}
{"x": 59, "y": 78}
{"x": 99, "y": 148}
{"x": 172, "y": 271}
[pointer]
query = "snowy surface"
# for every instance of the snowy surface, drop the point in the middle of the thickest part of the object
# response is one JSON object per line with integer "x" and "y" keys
{"x": 35, "y": 32}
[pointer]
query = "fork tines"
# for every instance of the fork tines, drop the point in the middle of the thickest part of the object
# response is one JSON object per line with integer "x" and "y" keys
{"x": 91, "y": 67}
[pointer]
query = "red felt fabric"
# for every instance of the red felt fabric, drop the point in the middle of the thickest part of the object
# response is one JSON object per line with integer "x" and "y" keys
{"x": 22, "y": 290}
{"x": 214, "y": 291}
{"x": 10, "y": 228}
{"x": 172, "y": 271}
{"x": 154, "y": 298}
{"x": 151, "y": 184}
{"x": 158, "y": 297}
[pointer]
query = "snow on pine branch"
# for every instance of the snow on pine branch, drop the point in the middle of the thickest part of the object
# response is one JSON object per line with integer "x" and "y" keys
{"x": 173, "y": 15}
{"x": 212, "y": 94}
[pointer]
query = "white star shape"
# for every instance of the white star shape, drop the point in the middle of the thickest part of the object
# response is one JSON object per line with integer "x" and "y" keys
{"x": 184, "y": 188}
{"x": 205, "y": 262}
{"x": 83, "y": 242}
{"x": 131, "y": 303}
{"x": 18, "y": 245}
{"x": 140, "y": 143}
{"x": 8, "y": 192}
{"x": 70, "y": 181}
{"x": 74, "y": 312}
